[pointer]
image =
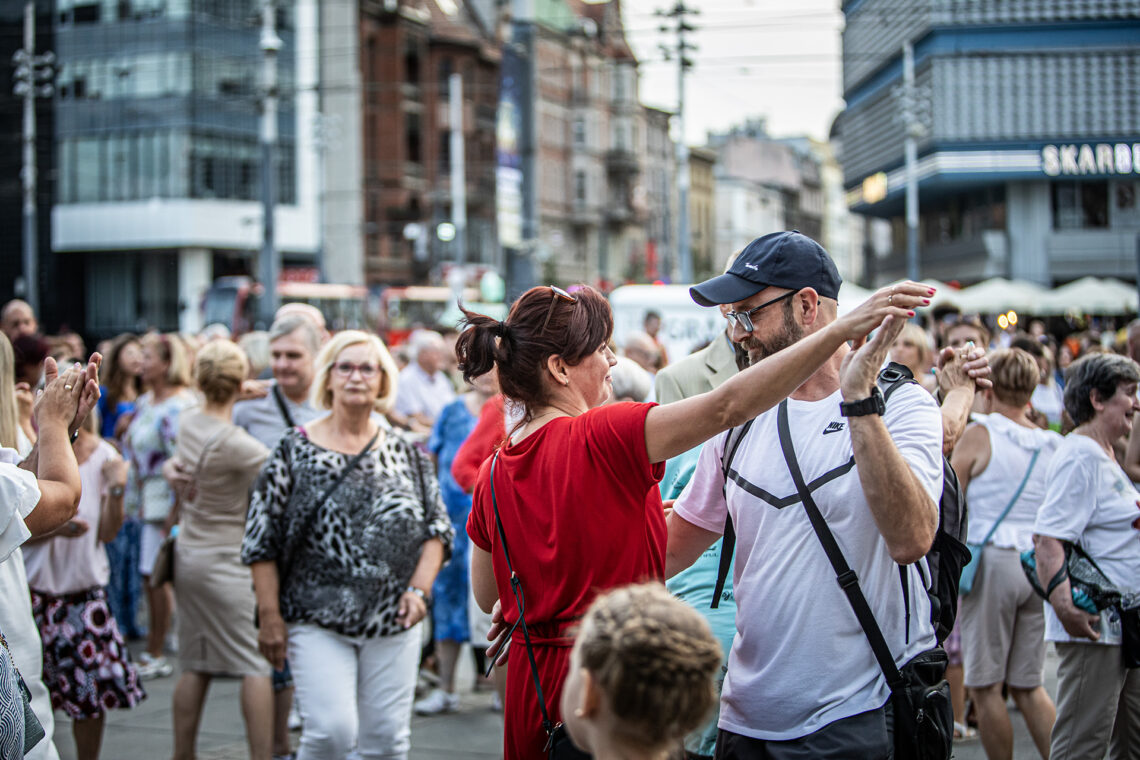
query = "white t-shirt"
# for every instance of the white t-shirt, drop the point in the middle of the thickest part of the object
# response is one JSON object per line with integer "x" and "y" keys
{"x": 417, "y": 392}
{"x": 1090, "y": 501}
{"x": 1011, "y": 449}
{"x": 19, "y": 495}
{"x": 800, "y": 659}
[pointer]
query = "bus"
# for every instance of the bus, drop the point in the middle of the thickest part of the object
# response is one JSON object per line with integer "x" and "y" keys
{"x": 236, "y": 301}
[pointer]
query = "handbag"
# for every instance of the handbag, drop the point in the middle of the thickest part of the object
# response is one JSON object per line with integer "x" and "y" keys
{"x": 922, "y": 713}
{"x": 559, "y": 746}
{"x": 33, "y": 729}
{"x": 966, "y": 582}
{"x": 163, "y": 570}
{"x": 1092, "y": 590}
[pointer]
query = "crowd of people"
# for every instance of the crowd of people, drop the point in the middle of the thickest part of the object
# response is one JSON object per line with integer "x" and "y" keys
{"x": 640, "y": 552}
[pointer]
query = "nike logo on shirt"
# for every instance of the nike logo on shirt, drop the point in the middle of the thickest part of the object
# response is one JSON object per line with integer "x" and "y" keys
{"x": 833, "y": 427}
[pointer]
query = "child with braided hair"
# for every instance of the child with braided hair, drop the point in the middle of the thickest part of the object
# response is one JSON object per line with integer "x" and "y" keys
{"x": 641, "y": 675}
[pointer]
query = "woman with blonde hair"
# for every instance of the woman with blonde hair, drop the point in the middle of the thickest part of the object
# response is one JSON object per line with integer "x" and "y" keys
{"x": 641, "y": 674}
{"x": 215, "y": 602}
{"x": 345, "y": 535}
{"x": 147, "y": 444}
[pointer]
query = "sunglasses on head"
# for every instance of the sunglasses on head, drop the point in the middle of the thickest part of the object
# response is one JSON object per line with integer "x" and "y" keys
{"x": 557, "y": 294}
{"x": 744, "y": 318}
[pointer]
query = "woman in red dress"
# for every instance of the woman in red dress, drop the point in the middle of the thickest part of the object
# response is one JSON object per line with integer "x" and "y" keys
{"x": 576, "y": 482}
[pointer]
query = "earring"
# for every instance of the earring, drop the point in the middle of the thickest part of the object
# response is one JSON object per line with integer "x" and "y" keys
{"x": 579, "y": 712}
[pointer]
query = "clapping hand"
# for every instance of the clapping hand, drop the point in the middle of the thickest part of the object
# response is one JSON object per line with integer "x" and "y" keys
{"x": 967, "y": 367}
{"x": 861, "y": 365}
{"x": 898, "y": 301}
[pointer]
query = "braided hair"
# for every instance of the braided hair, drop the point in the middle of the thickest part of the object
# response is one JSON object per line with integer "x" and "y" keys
{"x": 655, "y": 658}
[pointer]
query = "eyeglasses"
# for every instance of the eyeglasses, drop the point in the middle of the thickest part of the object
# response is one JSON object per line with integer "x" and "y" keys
{"x": 345, "y": 369}
{"x": 744, "y": 318}
{"x": 556, "y": 295}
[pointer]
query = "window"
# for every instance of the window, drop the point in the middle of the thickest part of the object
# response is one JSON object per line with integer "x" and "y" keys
{"x": 580, "y": 187}
{"x": 85, "y": 14}
{"x": 580, "y": 131}
{"x": 1080, "y": 205}
{"x": 412, "y": 150}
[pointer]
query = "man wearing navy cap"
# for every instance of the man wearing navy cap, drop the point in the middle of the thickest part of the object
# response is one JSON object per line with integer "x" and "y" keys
{"x": 802, "y": 680}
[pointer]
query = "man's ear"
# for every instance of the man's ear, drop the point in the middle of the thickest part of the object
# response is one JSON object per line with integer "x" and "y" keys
{"x": 807, "y": 306}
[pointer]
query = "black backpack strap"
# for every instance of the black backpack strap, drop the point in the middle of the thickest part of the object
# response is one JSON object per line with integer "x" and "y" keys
{"x": 520, "y": 602}
{"x": 728, "y": 539}
{"x": 844, "y": 575}
{"x": 283, "y": 407}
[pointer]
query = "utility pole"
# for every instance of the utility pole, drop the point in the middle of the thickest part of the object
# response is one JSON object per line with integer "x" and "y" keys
{"x": 913, "y": 130}
{"x": 681, "y": 27}
{"x": 458, "y": 167}
{"x": 269, "y": 266}
{"x": 33, "y": 79}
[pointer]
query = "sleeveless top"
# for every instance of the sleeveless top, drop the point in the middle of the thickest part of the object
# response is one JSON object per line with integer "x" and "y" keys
{"x": 1011, "y": 449}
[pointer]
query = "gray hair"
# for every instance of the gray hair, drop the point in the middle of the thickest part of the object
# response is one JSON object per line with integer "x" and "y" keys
{"x": 290, "y": 324}
{"x": 630, "y": 380}
{"x": 1099, "y": 373}
{"x": 421, "y": 339}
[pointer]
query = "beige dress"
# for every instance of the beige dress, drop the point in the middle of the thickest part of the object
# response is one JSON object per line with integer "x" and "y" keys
{"x": 214, "y": 590}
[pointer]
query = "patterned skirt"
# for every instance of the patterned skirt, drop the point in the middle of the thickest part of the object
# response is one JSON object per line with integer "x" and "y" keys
{"x": 87, "y": 667}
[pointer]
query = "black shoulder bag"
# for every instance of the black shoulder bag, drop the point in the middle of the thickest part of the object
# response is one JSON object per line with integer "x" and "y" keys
{"x": 920, "y": 696}
{"x": 558, "y": 743}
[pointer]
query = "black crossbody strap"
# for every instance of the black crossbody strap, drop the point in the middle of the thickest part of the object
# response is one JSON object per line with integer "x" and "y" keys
{"x": 283, "y": 407}
{"x": 846, "y": 577}
{"x": 347, "y": 469}
{"x": 516, "y": 589}
{"x": 728, "y": 539}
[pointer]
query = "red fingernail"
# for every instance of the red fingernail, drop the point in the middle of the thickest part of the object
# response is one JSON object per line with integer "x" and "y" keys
{"x": 910, "y": 313}
{"x": 930, "y": 292}
{"x": 926, "y": 302}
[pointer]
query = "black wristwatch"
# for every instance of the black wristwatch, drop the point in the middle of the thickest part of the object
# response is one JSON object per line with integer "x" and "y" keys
{"x": 873, "y": 404}
{"x": 74, "y": 436}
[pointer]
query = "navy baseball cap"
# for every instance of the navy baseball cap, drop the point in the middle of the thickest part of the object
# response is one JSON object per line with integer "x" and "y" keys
{"x": 781, "y": 259}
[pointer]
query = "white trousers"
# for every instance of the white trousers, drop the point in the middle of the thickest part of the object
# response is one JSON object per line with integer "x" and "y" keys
{"x": 353, "y": 691}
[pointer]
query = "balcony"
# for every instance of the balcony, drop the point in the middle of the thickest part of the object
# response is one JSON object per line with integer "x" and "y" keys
{"x": 621, "y": 161}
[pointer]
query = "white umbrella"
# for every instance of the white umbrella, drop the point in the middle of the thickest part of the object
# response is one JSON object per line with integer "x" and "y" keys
{"x": 1091, "y": 295}
{"x": 1000, "y": 295}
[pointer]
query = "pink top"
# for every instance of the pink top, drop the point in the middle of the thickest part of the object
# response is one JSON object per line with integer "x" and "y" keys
{"x": 64, "y": 565}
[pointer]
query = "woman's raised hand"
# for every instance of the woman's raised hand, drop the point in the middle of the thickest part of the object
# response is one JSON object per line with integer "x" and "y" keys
{"x": 898, "y": 300}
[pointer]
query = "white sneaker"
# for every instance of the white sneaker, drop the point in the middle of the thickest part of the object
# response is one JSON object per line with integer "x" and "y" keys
{"x": 496, "y": 703}
{"x": 153, "y": 667}
{"x": 294, "y": 719}
{"x": 438, "y": 701}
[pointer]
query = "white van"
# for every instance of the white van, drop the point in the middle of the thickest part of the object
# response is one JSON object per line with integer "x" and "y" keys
{"x": 684, "y": 325}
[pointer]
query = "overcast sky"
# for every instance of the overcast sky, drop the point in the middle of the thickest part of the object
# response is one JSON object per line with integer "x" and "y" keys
{"x": 773, "y": 58}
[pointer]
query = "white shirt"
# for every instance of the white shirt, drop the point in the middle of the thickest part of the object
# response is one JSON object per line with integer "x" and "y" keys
{"x": 800, "y": 659}
{"x": 417, "y": 392}
{"x": 1011, "y": 449}
{"x": 1090, "y": 501}
{"x": 19, "y": 495}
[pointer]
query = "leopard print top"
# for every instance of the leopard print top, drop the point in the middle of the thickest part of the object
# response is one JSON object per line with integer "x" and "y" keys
{"x": 344, "y": 564}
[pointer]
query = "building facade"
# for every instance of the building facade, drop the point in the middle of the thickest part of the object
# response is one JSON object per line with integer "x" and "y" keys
{"x": 708, "y": 260}
{"x": 763, "y": 185}
{"x": 656, "y": 194}
{"x": 409, "y": 51}
{"x": 157, "y": 151}
{"x": 1029, "y": 134}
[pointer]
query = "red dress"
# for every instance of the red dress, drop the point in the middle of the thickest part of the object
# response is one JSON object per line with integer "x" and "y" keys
{"x": 582, "y": 513}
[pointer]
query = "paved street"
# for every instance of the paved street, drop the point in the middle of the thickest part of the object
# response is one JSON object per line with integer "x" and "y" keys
{"x": 145, "y": 732}
{"x": 474, "y": 732}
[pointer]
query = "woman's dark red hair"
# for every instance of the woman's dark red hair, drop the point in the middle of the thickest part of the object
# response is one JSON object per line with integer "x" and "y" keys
{"x": 520, "y": 346}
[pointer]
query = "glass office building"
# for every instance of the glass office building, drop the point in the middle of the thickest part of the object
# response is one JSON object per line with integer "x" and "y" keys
{"x": 1029, "y": 157}
{"x": 157, "y": 114}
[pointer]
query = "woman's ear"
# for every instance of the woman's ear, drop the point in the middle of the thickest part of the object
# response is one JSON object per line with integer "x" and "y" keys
{"x": 557, "y": 369}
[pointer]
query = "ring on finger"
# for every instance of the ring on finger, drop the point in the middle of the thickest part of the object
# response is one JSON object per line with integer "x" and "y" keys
{"x": 67, "y": 387}
{"x": 890, "y": 299}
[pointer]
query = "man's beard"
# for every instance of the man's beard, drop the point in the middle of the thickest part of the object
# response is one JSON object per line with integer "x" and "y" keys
{"x": 761, "y": 348}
